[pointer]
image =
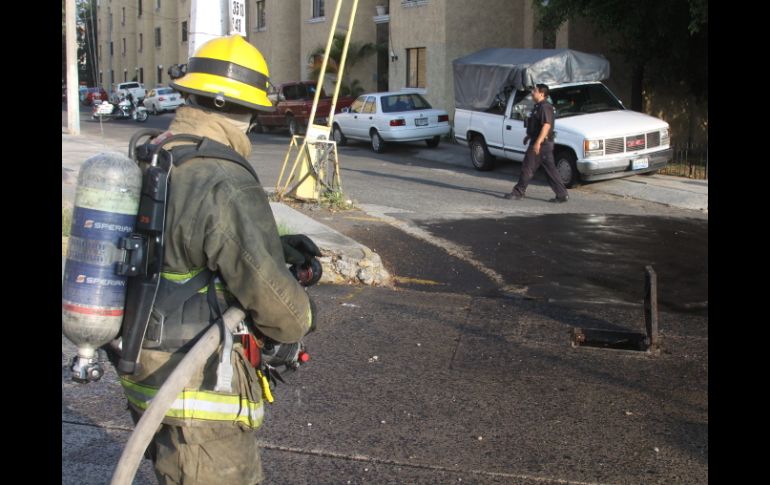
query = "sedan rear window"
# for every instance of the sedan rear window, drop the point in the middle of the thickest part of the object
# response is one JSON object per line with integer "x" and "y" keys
{"x": 166, "y": 91}
{"x": 403, "y": 102}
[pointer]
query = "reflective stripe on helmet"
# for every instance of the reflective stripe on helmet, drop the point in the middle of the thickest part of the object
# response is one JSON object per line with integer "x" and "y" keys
{"x": 201, "y": 405}
{"x": 227, "y": 69}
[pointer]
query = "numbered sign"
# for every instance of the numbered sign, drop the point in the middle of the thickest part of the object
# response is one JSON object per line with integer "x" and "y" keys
{"x": 237, "y": 17}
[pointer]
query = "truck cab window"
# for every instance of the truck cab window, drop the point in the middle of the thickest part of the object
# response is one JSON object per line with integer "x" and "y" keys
{"x": 522, "y": 105}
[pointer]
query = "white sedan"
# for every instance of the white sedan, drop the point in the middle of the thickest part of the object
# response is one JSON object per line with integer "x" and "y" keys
{"x": 162, "y": 99}
{"x": 390, "y": 117}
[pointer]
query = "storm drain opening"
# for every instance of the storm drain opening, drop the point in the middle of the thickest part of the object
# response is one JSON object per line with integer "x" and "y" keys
{"x": 649, "y": 341}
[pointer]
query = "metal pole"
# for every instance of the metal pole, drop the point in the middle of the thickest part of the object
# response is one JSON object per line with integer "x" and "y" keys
{"x": 344, "y": 57}
{"x": 322, "y": 73}
{"x": 651, "y": 306}
{"x": 73, "y": 106}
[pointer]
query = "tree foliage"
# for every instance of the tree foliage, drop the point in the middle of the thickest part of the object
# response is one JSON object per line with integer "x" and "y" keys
{"x": 357, "y": 51}
{"x": 666, "y": 37}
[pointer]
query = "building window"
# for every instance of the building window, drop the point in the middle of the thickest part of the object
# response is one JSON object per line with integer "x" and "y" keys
{"x": 184, "y": 31}
{"x": 123, "y": 16}
{"x": 415, "y": 67}
{"x": 112, "y": 53}
{"x": 112, "y": 77}
{"x": 101, "y": 78}
{"x": 157, "y": 4}
{"x": 318, "y": 9}
{"x": 141, "y": 41}
{"x": 141, "y": 75}
{"x": 261, "y": 25}
{"x": 125, "y": 75}
{"x": 123, "y": 52}
{"x": 100, "y": 53}
{"x": 160, "y": 74}
{"x": 157, "y": 36}
{"x": 139, "y": 8}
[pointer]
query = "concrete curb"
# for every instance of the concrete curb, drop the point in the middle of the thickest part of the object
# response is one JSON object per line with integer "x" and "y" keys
{"x": 344, "y": 260}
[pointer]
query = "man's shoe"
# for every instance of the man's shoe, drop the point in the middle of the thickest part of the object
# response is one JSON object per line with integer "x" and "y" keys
{"x": 513, "y": 196}
{"x": 559, "y": 200}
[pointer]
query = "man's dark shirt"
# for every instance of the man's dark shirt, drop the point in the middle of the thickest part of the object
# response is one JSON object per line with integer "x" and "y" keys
{"x": 542, "y": 113}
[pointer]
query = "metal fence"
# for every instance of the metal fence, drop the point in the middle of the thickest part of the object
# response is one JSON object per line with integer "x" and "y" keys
{"x": 689, "y": 160}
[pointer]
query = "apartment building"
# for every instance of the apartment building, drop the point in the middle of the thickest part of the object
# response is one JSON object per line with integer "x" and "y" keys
{"x": 139, "y": 40}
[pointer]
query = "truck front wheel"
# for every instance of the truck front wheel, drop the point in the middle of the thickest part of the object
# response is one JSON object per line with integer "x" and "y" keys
{"x": 567, "y": 168}
{"x": 293, "y": 125}
{"x": 480, "y": 156}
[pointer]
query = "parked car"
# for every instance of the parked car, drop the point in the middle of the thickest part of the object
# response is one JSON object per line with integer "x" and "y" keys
{"x": 89, "y": 96}
{"x": 162, "y": 99}
{"x": 391, "y": 117}
{"x": 293, "y": 102}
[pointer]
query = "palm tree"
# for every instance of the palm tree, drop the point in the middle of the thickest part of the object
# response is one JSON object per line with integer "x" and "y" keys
{"x": 357, "y": 51}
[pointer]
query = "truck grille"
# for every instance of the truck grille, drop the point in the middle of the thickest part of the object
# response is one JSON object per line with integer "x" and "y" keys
{"x": 635, "y": 143}
{"x": 653, "y": 139}
{"x": 613, "y": 145}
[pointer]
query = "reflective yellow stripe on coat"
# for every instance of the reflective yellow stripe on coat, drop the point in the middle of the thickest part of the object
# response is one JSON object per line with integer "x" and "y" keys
{"x": 181, "y": 278}
{"x": 200, "y": 405}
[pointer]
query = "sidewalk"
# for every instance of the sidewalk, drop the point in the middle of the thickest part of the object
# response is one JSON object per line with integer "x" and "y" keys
{"x": 344, "y": 260}
{"x": 677, "y": 192}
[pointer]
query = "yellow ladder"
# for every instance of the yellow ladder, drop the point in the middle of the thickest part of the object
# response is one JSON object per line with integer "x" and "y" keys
{"x": 316, "y": 168}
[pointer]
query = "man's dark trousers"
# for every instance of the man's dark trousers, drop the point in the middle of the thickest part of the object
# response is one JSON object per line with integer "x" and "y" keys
{"x": 530, "y": 166}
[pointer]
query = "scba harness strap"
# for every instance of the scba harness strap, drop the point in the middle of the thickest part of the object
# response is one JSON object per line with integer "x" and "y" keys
{"x": 155, "y": 304}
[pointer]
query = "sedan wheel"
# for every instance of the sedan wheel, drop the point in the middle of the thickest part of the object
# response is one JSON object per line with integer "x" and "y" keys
{"x": 378, "y": 145}
{"x": 433, "y": 142}
{"x": 155, "y": 110}
{"x": 339, "y": 138}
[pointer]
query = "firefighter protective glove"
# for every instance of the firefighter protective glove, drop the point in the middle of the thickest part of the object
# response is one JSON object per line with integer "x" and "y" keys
{"x": 298, "y": 249}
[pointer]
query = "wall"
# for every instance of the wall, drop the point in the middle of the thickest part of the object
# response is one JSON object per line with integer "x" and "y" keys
{"x": 315, "y": 34}
{"x": 279, "y": 42}
{"x": 495, "y": 23}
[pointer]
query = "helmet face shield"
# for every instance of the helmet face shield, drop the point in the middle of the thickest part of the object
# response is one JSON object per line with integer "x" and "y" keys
{"x": 231, "y": 68}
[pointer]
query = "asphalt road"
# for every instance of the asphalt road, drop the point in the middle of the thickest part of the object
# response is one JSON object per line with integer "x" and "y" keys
{"x": 464, "y": 372}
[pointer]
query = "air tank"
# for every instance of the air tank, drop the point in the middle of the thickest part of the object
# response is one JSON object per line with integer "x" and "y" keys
{"x": 93, "y": 295}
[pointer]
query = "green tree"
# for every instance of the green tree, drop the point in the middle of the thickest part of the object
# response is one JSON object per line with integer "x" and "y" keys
{"x": 666, "y": 37}
{"x": 357, "y": 51}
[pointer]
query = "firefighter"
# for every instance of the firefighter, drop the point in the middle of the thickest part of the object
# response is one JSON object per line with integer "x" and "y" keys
{"x": 218, "y": 220}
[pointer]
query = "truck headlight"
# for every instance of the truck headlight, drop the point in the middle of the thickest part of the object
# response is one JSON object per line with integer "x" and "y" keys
{"x": 664, "y": 138}
{"x": 593, "y": 148}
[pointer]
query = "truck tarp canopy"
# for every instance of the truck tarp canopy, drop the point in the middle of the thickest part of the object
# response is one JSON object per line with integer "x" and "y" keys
{"x": 480, "y": 76}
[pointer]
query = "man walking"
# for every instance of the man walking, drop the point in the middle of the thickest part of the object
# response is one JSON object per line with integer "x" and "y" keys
{"x": 540, "y": 150}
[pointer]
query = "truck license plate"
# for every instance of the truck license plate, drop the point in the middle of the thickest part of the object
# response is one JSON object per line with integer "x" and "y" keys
{"x": 640, "y": 163}
{"x": 421, "y": 121}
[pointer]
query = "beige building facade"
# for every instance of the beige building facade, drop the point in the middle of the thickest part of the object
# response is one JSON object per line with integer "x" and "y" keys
{"x": 140, "y": 39}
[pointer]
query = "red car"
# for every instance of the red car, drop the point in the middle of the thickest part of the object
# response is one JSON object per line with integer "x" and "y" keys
{"x": 90, "y": 95}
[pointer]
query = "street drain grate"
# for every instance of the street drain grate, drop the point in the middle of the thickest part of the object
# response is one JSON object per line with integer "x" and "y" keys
{"x": 623, "y": 340}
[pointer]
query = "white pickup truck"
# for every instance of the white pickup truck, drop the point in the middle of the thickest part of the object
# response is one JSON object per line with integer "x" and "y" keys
{"x": 136, "y": 89}
{"x": 596, "y": 137}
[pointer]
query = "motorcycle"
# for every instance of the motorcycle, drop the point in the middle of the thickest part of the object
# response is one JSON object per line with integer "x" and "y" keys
{"x": 124, "y": 110}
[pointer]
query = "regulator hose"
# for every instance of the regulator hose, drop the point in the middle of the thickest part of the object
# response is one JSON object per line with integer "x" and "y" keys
{"x": 167, "y": 394}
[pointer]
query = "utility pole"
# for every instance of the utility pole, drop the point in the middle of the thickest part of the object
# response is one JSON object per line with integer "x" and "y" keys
{"x": 73, "y": 109}
{"x": 211, "y": 19}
